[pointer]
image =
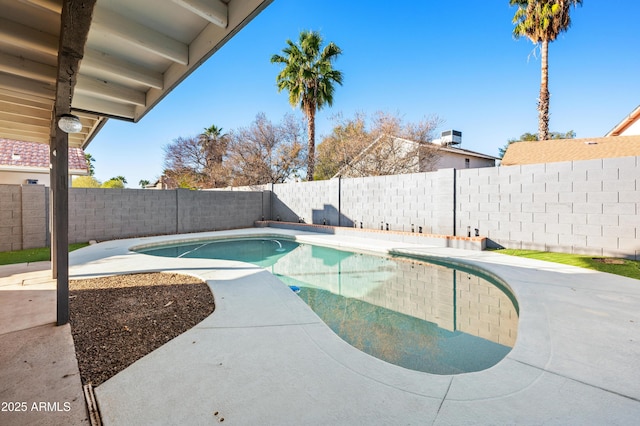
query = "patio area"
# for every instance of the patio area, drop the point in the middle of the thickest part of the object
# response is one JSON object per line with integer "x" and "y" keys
{"x": 263, "y": 357}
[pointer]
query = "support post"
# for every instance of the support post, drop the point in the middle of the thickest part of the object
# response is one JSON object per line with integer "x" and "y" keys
{"x": 60, "y": 240}
{"x": 75, "y": 21}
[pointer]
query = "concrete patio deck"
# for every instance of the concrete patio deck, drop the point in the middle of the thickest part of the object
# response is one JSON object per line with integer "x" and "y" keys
{"x": 39, "y": 377}
{"x": 263, "y": 357}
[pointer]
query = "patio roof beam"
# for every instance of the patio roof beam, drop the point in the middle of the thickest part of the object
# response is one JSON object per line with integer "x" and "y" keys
{"x": 50, "y": 5}
{"x": 117, "y": 26}
{"x": 24, "y": 111}
{"x": 213, "y": 11}
{"x": 8, "y": 98}
{"x": 26, "y": 68}
{"x": 102, "y": 89}
{"x": 29, "y": 120}
{"x": 28, "y": 38}
{"x": 103, "y": 106}
{"x": 103, "y": 64}
{"x": 24, "y": 85}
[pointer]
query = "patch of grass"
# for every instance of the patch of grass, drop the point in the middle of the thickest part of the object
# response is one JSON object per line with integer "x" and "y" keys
{"x": 32, "y": 255}
{"x": 624, "y": 267}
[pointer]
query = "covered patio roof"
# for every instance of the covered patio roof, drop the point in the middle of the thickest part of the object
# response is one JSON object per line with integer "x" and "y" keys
{"x": 136, "y": 52}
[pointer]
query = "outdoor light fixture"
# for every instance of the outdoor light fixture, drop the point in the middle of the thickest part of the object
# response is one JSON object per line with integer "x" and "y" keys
{"x": 69, "y": 123}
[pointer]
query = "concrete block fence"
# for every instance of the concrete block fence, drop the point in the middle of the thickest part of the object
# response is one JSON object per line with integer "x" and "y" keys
{"x": 590, "y": 207}
{"x": 23, "y": 217}
{"x": 107, "y": 214}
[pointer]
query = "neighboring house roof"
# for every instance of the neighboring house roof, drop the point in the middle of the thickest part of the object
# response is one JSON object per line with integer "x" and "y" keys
{"x": 626, "y": 123}
{"x": 549, "y": 151}
{"x": 443, "y": 148}
{"x": 19, "y": 155}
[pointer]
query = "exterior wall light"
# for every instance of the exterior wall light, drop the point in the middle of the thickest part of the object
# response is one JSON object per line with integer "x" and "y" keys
{"x": 69, "y": 123}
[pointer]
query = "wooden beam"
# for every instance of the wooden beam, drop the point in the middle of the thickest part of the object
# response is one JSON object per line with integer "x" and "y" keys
{"x": 23, "y": 85}
{"x": 103, "y": 64}
{"x": 27, "y": 68}
{"x": 128, "y": 31}
{"x": 213, "y": 11}
{"x": 93, "y": 87}
{"x": 103, "y": 107}
{"x": 74, "y": 28}
{"x": 28, "y": 38}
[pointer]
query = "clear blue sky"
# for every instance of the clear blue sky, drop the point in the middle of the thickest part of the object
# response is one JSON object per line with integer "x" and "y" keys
{"x": 420, "y": 58}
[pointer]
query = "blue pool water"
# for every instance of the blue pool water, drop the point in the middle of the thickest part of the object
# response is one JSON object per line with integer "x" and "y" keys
{"x": 408, "y": 312}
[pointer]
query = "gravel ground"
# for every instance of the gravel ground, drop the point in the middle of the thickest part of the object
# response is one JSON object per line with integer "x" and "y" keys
{"x": 118, "y": 320}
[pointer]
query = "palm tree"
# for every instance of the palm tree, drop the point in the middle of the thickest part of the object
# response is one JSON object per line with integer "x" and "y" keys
{"x": 309, "y": 77}
{"x": 542, "y": 21}
{"x": 89, "y": 158}
{"x": 213, "y": 144}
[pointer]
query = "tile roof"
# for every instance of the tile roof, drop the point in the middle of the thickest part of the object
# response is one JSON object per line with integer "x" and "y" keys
{"x": 550, "y": 151}
{"x": 36, "y": 155}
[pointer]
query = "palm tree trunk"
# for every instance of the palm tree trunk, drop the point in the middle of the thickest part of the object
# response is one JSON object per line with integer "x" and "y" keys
{"x": 311, "y": 131}
{"x": 543, "y": 102}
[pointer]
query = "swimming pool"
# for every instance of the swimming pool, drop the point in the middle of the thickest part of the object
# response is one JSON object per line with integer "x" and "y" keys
{"x": 408, "y": 312}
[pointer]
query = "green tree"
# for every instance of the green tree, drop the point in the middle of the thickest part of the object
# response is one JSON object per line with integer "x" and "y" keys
{"x": 90, "y": 166}
{"x": 143, "y": 183}
{"x": 85, "y": 182}
{"x": 214, "y": 144}
{"x": 308, "y": 75}
{"x": 115, "y": 182}
{"x": 534, "y": 137}
{"x": 541, "y": 21}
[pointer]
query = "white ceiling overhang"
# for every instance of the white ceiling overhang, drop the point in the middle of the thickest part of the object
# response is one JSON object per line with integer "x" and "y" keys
{"x": 136, "y": 52}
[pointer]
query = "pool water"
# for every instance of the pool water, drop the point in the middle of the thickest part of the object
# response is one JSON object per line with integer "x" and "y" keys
{"x": 415, "y": 314}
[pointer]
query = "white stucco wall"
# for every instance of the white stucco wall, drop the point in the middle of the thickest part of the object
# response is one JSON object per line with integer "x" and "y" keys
{"x": 451, "y": 160}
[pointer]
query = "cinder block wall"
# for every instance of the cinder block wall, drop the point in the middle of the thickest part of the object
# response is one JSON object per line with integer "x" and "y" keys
{"x": 216, "y": 210}
{"x": 35, "y": 199}
{"x": 23, "y": 216}
{"x": 589, "y": 207}
{"x": 401, "y": 201}
{"x": 106, "y": 214}
{"x": 315, "y": 202}
{"x": 10, "y": 217}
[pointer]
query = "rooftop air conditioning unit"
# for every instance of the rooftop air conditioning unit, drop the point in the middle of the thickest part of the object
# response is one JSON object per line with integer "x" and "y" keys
{"x": 451, "y": 137}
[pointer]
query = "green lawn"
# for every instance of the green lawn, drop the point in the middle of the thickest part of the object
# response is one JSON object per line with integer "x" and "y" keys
{"x": 624, "y": 267}
{"x": 32, "y": 255}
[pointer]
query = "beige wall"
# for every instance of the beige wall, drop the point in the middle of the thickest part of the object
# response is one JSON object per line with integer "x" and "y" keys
{"x": 20, "y": 178}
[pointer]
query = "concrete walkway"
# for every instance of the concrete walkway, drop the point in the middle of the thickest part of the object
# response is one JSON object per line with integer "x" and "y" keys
{"x": 38, "y": 367}
{"x": 263, "y": 357}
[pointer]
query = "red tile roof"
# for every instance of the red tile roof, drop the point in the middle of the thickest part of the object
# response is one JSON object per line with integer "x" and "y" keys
{"x": 30, "y": 154}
